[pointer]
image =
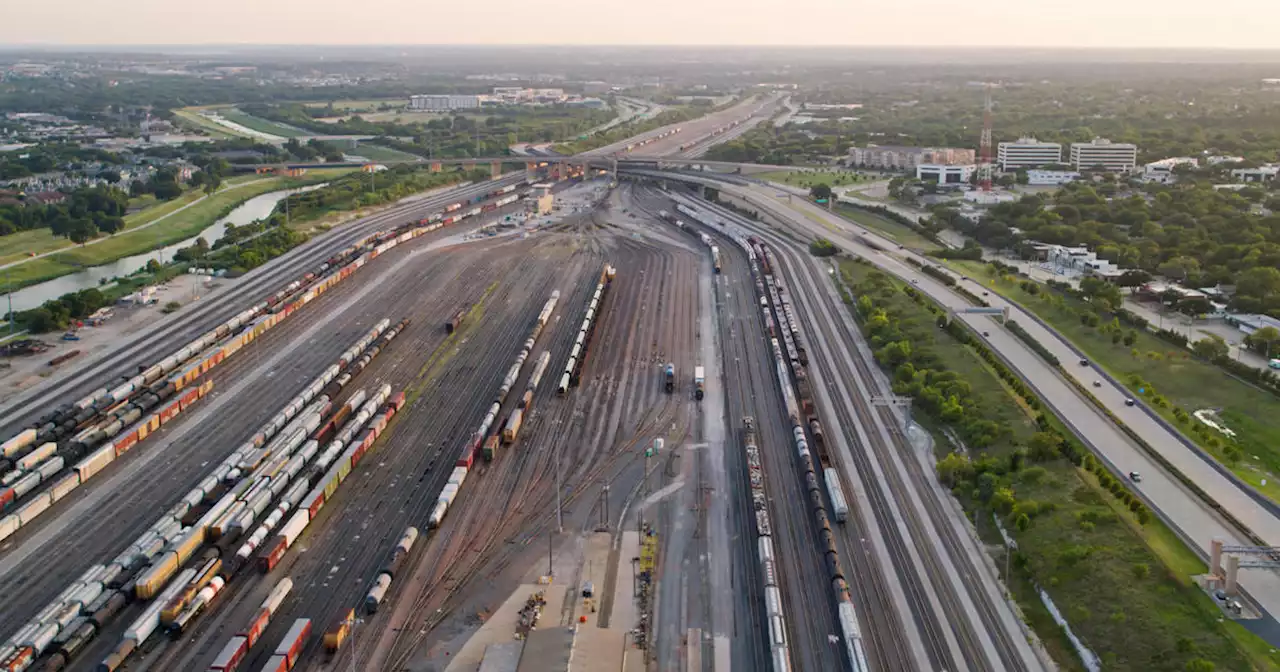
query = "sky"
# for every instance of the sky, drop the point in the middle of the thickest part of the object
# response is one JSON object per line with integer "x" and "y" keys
{"x": 1230, "y": 24}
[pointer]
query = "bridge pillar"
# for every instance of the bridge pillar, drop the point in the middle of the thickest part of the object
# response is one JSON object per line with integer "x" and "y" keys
{"x": 530, "y": 167}
{"x": 1233, "y": 572}
{"x": 562, "y": 171}
{"x": 495, "y": 169}
{"x": 435, "y": 166}
{"x": 1215, "y": 557}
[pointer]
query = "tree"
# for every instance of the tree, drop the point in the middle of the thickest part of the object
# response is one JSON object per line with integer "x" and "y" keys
{"x": 822, "y": 248}
{"x": 82, "y": 230}
{"x": 1212, "y": 348}
{"x": 1133, "y": 278}
{"x": 166, "y": 191}
{"x": 1130, "y": 337}
{"x": 1179, "y": 267}
{"x": 1195, "y": 305}
{"x": 111, "y": 177}
{"x": 111, "y": 225}
{"x": 1261, "y": 282}
{"x": 1199, "y": 665}
{"x": 820, "y": 191}
{"x": 1262, "y": 340}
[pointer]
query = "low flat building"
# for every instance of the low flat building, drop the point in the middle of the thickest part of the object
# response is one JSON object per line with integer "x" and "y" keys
{"x": 943, "y": 174}
{"x": 1162, "y": 171}
{"x": 1119, "y": 157}
{"x": 1264, "y": 173}
{"x": 1251, "y": 323}
{"x": 979, "y": 197}
{"x": 893, "y": 157}
{"x": 1051, "y": 177}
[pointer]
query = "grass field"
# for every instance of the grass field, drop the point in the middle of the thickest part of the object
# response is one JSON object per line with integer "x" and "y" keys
{"x": 1174, "y": 375}
{"x": 378, "y": 153}
{"x": 183, "y": 225}
{"x": 812, "y": 177}
{"x": 349, "y": 106}
{"x": 1125, "y": 588}
{"x": 191, "y": 118}
{"x": 901, "y": 233}
{"x": 17, "y": 246}
{"x": 261, "y": 125}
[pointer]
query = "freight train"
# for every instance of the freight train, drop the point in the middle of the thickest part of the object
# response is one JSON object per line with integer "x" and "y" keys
{"x": 790, "y": 364}
{"x": 103, "y": 425}
{"x": 582, "y": 344}
{"x": 777, "y": 622}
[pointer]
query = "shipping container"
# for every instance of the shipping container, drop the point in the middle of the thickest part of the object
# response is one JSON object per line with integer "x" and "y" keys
{"x": 231, "y": 655}
{"x": 294, "y": 641}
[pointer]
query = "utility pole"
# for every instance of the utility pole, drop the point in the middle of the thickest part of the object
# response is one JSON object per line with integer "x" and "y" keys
{"x": 559, "y": 515}
{"x": 8, "y": 284}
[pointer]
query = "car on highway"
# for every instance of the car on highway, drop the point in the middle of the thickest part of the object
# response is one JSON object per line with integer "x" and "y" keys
{"x": 985, "y": 333}
{"x": 914, "y": 281}
{"x": 984, "y": 293}
{"x": 1097, "y": 383}
{"x": 1084, "y": 362}
{"x": 1129, "y": 402}
{"x": 1135, "y": 477}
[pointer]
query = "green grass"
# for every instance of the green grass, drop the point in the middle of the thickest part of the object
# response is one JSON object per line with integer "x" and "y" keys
{"x": 261, "y": 125}
{"x": 191, "y": 118}
{"x": 812, "y": 178}
{"x": 901, "y": 233}
{"x": 1173, "y": 374}
{"x": 1158, "y": 621}
{"x": 347, "y": 106}
{"x": 183, "y": 225}
{"x": 377, "y": 153}
{"x": 18, "y": 246}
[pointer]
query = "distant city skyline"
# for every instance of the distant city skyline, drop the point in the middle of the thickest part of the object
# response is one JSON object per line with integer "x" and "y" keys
{"x": 1232, "y": 24}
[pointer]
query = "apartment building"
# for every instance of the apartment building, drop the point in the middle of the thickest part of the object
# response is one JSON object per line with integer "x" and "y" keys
{"x": 890, "y": 157}
{"x": 443, "y": 102}
{"x": 1027, "y": 153}
{"x": 1119, "y": 157}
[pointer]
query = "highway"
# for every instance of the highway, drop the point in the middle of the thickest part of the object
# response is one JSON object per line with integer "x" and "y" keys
{"x": 1186, "y": 513}
{"x": 693, "y": 131}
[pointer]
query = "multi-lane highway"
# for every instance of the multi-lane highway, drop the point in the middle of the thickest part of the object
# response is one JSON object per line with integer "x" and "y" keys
{"x": 1187, "y": 514}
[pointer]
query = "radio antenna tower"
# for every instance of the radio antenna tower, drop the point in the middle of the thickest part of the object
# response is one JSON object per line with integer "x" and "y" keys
{"x": 984, "y": 147}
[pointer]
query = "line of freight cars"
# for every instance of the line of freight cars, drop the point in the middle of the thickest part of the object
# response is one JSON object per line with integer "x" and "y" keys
{"x": 707, "y": 220}
{"x": 65, "y": 419}
{"x": 142, "y": 570}
{"x": 653, "y": 138}
{"x": 801, "y": 411}
{"x": 382, "y": 582}
{"x": 778, "y": 651}
{"x": 582, "y": 343}
{"x": 480, "y": 441}
{"x": 309, "y": 493}
{"x": 237, "y": 648}
{"x": 105, "y": 414}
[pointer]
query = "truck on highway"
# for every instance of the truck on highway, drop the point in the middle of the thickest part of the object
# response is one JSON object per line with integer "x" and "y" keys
{"x": 699, "y": 382}
{"x": 670, "y": 374}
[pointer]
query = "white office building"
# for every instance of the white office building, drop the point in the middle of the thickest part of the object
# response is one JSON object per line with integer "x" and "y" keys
{"x": 1041, "y": 178}
{"x": 1118, "y": 157}
{"x": 1028, "y": 153}
{"x": 443, "y": 102}
{"x": 1162, "y": 171}
{"x": 943, "y": 174}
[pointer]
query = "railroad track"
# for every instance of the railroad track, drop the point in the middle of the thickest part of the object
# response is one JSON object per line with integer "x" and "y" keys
{"x": 199, "y": 318}
{"x": 956, "y": 644}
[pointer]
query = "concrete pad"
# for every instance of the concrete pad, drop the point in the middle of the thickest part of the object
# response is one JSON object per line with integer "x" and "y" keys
{"x": 501, "y": 626}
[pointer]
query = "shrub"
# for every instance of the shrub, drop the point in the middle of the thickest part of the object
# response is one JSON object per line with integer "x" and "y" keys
{"x": 822, "y": 248}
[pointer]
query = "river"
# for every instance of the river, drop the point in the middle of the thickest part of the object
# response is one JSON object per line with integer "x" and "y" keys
{"x": 251, "y": 210}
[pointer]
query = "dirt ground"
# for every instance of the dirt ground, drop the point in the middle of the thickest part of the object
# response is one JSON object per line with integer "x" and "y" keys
{"x": 29, "y": 371}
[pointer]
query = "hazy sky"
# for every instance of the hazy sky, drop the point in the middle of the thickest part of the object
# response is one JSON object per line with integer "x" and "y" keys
{"x": 1074, "y": 23}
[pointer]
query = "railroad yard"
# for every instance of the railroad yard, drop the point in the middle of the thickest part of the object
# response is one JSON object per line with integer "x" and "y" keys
{"x": 415, "y": 423}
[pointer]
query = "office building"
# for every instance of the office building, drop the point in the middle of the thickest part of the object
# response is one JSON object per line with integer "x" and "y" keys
{"x": 943, "y": 174}
{"x": 1118, "y": 157}
{"x": 443, "y": 102}
{"x": 1028, "y": 153}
